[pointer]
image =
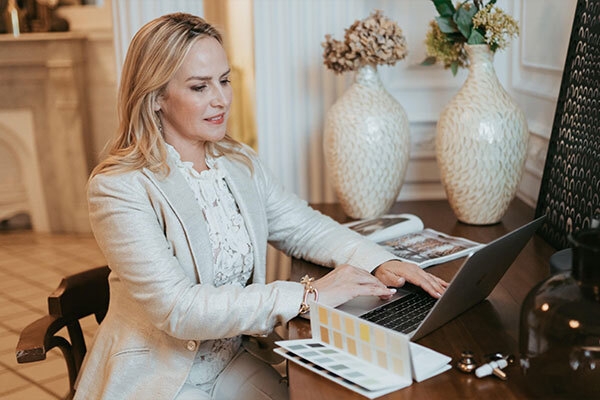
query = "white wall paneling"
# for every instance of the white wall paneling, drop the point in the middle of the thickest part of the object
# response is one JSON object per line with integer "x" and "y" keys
{"x": 295, "y": 89}
{"x": 537, "y": 66}
{"x": 130, "y": 15}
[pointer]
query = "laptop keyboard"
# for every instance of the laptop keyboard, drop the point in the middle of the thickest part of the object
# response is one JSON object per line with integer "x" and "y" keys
{"x": 404, "y": 314}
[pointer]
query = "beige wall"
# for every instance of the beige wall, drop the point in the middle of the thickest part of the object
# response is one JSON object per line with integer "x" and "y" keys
{"x": 96, "y": 24}
{"x": 294, "y": 90}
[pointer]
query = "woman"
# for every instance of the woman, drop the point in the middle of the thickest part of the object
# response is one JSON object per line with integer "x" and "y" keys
{"x": 183, "y": 214}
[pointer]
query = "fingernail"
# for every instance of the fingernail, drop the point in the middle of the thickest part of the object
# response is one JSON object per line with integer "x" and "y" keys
{"x": 438, "y": 294}
{"x": 392, "y": 291}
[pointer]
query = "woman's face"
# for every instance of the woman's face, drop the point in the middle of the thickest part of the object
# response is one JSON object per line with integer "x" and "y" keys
{"x": 195, "y": 105}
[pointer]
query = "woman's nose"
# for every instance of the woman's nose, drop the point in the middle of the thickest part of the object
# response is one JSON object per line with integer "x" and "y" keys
{"x": 219, "y": 98}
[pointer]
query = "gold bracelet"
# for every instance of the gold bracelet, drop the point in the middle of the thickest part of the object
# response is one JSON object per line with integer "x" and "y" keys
{"x": 308, "y": 289}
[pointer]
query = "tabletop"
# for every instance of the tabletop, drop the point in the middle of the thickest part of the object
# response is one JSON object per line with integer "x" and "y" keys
{"x": 489, "y": 327}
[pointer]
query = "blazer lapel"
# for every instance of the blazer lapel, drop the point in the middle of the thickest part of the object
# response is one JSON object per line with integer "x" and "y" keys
{"x": 180, "y": 197}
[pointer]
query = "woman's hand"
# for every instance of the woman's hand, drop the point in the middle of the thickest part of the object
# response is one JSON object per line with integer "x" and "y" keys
{"x": 397, "y": 273}
{"x": 346, "y": 282}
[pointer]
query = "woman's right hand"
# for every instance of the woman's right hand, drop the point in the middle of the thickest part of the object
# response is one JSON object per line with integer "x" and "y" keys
{"x": 346, "y": 282}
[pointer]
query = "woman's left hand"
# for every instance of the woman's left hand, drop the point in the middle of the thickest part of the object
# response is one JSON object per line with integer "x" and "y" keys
{"x": 396, "y": 273}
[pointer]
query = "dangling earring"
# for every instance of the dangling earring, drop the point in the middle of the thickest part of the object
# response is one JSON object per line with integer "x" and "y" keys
{"x": 159, "y": 123}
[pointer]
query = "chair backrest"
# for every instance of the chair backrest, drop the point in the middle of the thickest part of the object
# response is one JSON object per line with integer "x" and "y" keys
{"x": 570, "y": 189}
{"x": 81, "y": 294}
{"x": 77, "y": 296}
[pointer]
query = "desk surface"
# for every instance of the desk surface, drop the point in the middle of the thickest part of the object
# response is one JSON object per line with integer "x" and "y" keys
{"x": 489, "y": 327}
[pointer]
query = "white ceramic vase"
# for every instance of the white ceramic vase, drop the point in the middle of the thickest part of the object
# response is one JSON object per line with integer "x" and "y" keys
{"x": 481, "y": 144}
{"x": 366, "y": 144}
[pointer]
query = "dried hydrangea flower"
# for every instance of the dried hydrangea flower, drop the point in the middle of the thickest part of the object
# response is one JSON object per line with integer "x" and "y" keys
{"x": 375, "y": 40}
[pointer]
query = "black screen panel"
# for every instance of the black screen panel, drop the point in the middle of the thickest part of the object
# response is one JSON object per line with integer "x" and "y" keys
{"x": 570, "y": 187}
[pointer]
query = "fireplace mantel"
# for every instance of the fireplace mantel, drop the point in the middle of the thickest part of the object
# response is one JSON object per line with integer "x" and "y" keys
{"x": 44, "y": 73}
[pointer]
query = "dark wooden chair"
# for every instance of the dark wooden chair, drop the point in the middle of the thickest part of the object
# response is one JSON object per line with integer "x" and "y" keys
{"x": 77, "y": 296}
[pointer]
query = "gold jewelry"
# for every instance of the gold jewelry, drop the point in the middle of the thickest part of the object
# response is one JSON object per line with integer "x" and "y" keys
{"x": 308, "y": 289}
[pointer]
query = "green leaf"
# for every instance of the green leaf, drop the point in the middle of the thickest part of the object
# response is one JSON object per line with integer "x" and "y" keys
{"x": 476, "y": 38}
{"x": 429, "y": 61}
{"x": 454, "y": 67}
{"x": 446, "y": 24}
{"x": 444, "y": 7}
{"x": 464, "y": 20}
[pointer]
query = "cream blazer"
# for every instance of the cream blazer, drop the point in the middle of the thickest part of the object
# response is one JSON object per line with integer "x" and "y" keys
{"x": 162, "y": 301}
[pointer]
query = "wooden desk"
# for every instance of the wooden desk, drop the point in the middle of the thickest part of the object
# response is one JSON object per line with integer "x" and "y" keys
{"x": 489, "y": 327}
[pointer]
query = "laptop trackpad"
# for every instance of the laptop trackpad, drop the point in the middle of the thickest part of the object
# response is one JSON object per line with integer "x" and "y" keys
{"x": 362, "y": 304}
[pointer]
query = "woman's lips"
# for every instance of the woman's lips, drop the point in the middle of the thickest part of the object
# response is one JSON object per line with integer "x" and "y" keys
{"x": 217, "y": 119}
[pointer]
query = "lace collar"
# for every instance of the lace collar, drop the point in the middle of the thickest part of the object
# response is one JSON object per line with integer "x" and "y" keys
{"x": 188, "y": 167}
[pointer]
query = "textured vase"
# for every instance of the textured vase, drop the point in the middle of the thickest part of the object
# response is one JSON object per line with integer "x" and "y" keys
{"x": 366, "y": 144}
{"x": 481, "y": 144}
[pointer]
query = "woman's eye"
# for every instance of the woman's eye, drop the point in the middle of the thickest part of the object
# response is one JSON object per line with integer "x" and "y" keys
{"x": 225, "y": 81}
{"x": 199, "y": 88}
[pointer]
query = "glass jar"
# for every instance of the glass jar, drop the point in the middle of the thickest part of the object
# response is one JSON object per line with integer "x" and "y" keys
{"x": 560, "y": 326}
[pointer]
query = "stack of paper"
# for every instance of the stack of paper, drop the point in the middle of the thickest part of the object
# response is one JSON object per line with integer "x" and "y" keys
{"x": 426, "y": 362}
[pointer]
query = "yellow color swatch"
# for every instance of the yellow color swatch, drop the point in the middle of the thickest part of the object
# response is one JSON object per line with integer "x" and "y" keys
{"x": 324, "y": 334}
{"x": 380, "y": 338}
{"x": 366, "y": 352}
{"x": 337, "y": 340}
{"x": 364, "y": 332}
{"x": 349, "y": 323}
{"x": 398, "y": 366}
{"x": 351, "y": 346}
{"x": 395, "y": 343}
{"x": 336, "y": 321}
{"x": 381, "y": 359}
{"x": 323, "y": 316}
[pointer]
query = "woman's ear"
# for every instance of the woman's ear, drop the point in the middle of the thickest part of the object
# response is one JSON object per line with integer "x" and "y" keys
{"x": 156, "y": 105}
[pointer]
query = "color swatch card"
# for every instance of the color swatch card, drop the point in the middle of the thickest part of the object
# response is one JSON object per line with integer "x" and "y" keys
{"x": 335, "y": 365}
{"x": 359, "y": 355}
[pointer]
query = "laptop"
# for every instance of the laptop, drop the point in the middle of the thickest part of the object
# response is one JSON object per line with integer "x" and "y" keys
{"x": 413, "y": 312}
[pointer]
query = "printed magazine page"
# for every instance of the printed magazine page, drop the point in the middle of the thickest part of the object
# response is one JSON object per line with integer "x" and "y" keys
{"x": 428, "y": 247}
{"x": 387, "y": 226}
{"x": 404, "y": 236}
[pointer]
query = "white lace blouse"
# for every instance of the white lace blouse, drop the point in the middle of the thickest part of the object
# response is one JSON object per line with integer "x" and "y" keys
{"x": 232, "y": 254}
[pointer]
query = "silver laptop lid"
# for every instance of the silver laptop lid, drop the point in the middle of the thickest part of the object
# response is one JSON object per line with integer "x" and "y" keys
{"x": 477, "y": 277}
{"x": 474, "y": 281}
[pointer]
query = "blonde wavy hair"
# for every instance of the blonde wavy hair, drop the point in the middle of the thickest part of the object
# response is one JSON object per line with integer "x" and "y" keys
{"x": 156, "y": 52}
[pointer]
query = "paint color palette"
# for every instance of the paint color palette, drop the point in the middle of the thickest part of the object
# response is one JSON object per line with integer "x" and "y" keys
{"x": 379, "y": 346}
{"x": 364, "y": 357}
{"x": 361, "y": 356}
{"x": 344, "y": 366}
{"x": 340, "y": 372}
